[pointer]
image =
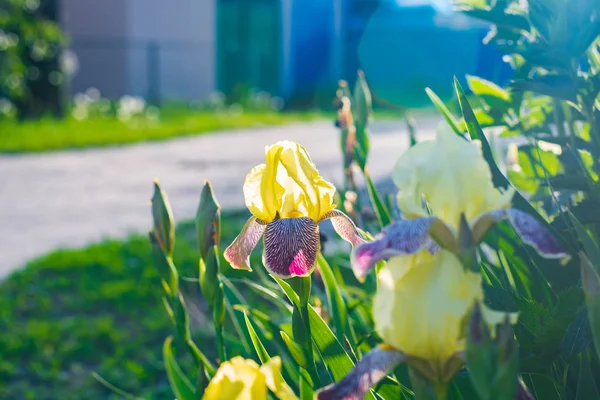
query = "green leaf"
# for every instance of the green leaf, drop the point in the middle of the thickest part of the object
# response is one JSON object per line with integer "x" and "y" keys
{"x": 181, "y": 386}
{"x": 439, "y": 104}
{"x": 337, "y": 306}
{"x": 590, "y": 280}
{"x": 289, "y": 292}
{"x": 492, "y": 94}
{"x": 546, "y": 163}
{"x": 383, "y": 215}
{"x": 494, "y": 16}
{"x": 261, "y": 352}
{"x": 267, "y": 293}
{"x": 482, "y": 87}
{"x": 295, "y": 350}
{"x": 412, "y": 132}
{"x": 522, "y": 182}
{"x": 306, "y": 385}
{"x": 361, "y": 147}
{"x": 498, "y": 298}
{"x": 591, "y": 248}
{"x": 559, "y": 86}
{"x": 484, "y": 118}
{"x": 499, "y": 180}
{"x": 567, "y": 182}
{"x": 334, "y": 356}
{"x": 588, "y": 163}
{"x": 542, "y": 328}
{"x": 471, "y": 3}
{"x": 476, "y": 133}
{"x": 233, "y": 297}
{"x": 586, "y": 387}
{"x": 461, "y": 388}
{"x": 542, "y": 386}
{"x": 578, "y": 337}
{"x": 114, "y": 389}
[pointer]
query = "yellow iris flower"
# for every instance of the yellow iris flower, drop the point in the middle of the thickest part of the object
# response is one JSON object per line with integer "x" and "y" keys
{"x": 452, "y": 176}
{"x": 422, "y": 304}
{"x": 440, "y": 182}
{"x": 288, "y": 199}
{"x": 241, "y": 379}
{"x": 288, "y": 185}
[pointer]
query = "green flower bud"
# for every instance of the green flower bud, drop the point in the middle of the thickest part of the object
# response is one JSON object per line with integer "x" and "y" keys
{"x": 208, "y": 220}
{"x": 163, "y": 227}
{"x": 362, "y": 109}
{"x": 362, "y": 101}
{"x": 467, "y": 250}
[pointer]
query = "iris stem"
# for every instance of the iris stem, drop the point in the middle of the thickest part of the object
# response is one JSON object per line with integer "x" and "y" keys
{"x": 425, "y": 389}
{"x": 301, "y": 323}
{"x": 309, "y": 346}
{"x": 220, "y": 343}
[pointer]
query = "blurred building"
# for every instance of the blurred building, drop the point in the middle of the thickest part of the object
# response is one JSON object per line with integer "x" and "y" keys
{"x": 149, "y": 48}
{"x": 297, "y": 49}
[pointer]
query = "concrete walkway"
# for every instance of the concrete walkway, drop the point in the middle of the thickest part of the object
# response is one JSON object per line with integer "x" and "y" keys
{"x": 70, "y": 199}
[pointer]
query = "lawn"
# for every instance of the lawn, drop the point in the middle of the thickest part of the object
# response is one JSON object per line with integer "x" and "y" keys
{"x": 98, "y": 309}
{"x": 71, "y": 133}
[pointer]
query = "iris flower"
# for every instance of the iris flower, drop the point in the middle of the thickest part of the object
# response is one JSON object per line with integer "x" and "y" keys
{"x": 425, "y": 294}
{"x": 439, "y": 182}
{"x": 241, "y": 379}
{"x": 420, "y": 309}
{"x": 288, "y": 199}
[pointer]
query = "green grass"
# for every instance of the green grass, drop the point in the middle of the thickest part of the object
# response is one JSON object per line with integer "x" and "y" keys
{"x": 98, "y": 309}
{"x": 70, "y": 133}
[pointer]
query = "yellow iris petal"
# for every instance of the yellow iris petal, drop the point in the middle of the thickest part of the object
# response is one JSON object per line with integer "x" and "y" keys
{"x": 453, "y": 177}
{"x": 421, "y": 303}
{"x": 262, "y": 207}
{"x": 241, "y": 379}
{"x": 237, "y": 379}
{"x": 274, "y": 380}
{"x": 271, "y": 189}
{"x": 288, "y": 184}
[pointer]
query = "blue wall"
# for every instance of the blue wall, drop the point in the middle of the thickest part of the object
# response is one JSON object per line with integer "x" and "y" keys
{"x": 312, "y": 42}
{"x": 401, "y": 49}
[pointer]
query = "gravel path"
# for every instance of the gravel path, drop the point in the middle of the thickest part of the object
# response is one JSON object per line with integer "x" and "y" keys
{"x": 73, "y": 198}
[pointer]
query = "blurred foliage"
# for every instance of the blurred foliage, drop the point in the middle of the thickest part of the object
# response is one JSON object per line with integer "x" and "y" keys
{"x": 30, "y": 48}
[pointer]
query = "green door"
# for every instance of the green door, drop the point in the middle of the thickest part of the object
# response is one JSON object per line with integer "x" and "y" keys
{"x": 248, "y": 46}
